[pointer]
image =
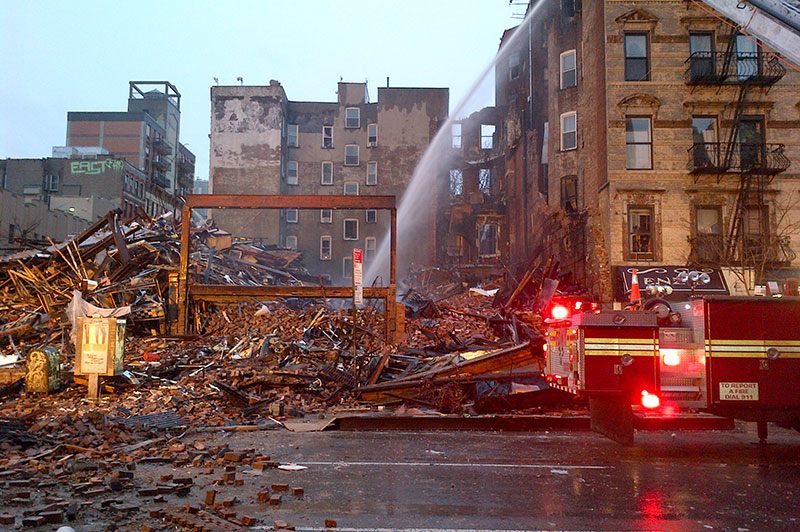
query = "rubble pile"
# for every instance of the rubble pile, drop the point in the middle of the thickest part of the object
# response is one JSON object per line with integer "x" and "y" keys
{"x": 251, "y": 366}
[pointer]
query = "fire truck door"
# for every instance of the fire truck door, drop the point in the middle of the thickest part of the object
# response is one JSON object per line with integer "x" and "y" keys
{"x": 779, "y": 357}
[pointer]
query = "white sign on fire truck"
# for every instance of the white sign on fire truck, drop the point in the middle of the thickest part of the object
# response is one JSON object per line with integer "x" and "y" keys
{"x": 738, "y": 391}
{"x": 358, "y": 285}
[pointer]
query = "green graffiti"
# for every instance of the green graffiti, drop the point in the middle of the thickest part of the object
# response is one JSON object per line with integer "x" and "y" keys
{"x": 95, "y": 167}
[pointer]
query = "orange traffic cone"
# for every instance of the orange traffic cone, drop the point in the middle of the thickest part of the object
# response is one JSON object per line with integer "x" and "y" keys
{"x": 636, "y": 295}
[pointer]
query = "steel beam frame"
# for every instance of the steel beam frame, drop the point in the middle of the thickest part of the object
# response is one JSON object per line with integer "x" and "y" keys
{"x": 188, "y": 291}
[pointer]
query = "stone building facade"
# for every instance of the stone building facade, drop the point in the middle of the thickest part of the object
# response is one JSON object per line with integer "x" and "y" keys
{"x": 264, "y": 143}
{"x": 649, "y": 134}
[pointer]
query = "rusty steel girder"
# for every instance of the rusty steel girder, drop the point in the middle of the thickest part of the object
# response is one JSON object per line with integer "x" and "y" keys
{"x": 188, "y": 291}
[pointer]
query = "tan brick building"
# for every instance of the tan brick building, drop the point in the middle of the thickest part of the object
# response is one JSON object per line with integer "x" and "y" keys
{"x": 649, "y": 134}
{"x": 264, "y": 143}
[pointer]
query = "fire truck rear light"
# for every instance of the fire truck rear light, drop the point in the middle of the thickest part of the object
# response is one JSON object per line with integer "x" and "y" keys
{"x": 545, "y": 347}
{"x": 559, "y": 312}
{"x": 671, "y": 358}
{"x": 578, "y": 305}
{"x": 649, "y": 400}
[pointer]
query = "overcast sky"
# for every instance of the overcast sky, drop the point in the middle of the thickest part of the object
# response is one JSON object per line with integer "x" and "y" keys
{"x": 60, "y": 56}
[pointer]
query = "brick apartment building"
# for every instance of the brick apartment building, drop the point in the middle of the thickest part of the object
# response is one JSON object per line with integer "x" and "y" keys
{"x": 264, "y": 143}
{"x": 147, "y": 136}
{"x": 646, "y": 134}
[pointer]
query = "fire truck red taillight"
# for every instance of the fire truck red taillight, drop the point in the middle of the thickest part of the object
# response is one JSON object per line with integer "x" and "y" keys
{"x": 559, "y": 312}
{"x": 649, "y": 400}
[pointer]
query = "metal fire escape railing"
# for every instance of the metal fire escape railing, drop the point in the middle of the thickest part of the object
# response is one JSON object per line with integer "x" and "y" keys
{"x": 755, "y": 162}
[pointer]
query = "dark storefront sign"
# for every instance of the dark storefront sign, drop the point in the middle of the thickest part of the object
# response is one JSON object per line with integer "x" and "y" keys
{"x": 668, "y": 276}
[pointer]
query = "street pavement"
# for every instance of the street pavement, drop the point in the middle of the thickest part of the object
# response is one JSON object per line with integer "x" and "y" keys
{"x": 554, "y": 481}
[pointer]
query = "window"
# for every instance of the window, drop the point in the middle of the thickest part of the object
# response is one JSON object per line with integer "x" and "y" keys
{"x": 705, "y": 150}
{"x": 637, "y": 57}
{"x": 352, "y": 117}
{"x": 326, "y": 216}
{"x": 370, "y": 245}
{"x": 747, "y": 64}
{"x": 372, "y": 135}
{"x": 350, "y": 229}
{"x": 292, "y": 216}
{"x": 755, "y": 233}
{"x": 291, "y": 242}
{"x": 640, "y": 232}
{"x": 567, "y": 8}
{"x": 488, "y": 240}
{"x": 701, "y": 55}
{"x": 351, "y": 155}
{"x": 513, "y": 65}
{"x": 569, "y": 194}
{"x": 351, "y": 189}
{"x": 569, "y": 131}
{"x": 347, "y": 267}
{"x": 326, "y": 173}
{"x": 751, "y": 142}
{"x": 371, "y": 216}
{"x": 325, "y": 247}
{"x": 487, "y": 136}
{"x": 708, "y": 235}
{"x": 372, "y": 173}
{"x": 639, "y": 143}
{"x": 456, "y": 183}
{"x": 327, "y": 136}
{"x": 292, "y": 135}
{"x": 291, "y": 172}
{"x": 456, "y": 134}
{"x": 485, "y": 180}
{"x": 52, "y": 182}
{"x": 568, "y": 69}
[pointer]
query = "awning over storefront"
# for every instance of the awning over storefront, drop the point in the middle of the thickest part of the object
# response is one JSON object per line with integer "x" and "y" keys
{"x": 667, "y": 276}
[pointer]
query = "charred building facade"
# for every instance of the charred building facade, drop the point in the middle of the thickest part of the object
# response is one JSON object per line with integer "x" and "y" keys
{"x": 647, "y": 134}
{"x": 264, "y": 143}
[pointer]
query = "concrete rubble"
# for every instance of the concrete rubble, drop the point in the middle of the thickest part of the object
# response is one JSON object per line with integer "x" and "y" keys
{"x": 253, "y": 366}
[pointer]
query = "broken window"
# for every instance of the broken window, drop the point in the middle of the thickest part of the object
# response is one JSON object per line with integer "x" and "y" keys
{"x": 456, "y": 183}
{"x": 640, "y": 232}
{"x": 327, "y": 136}
{"x": 351, "y": 155}
{"x": 372, "y": 173}
{"x": 352, "y": 117}
{"x": 326, "y": 216}
{"x": 292, "y": 216}
{"x": 372, "y": 135}
{"x": 291, "y": 172}
{"x": 488, "y": 240}
{"x": 370, "y": 245}
{"x": 326, "y": 177}
{"x": 325, "y": 247}
{"x": 569, "y": 194}
{"x": 347, "y": 267}
{"x": 637, "y": 57}
{"x": 456, "y": 133}
{"x": 291, "y": 242}
{"x": 568, "y": 69}
{"x": 639, "y": 143}
{"x": 292, "y": 135}
{"x": 487, "y": 136}
{"x": 486, "y": 180}
{"x": 513, "y": 65}
{"x": 351, "y": 189}
{"x": 569, "y": 131}
{"x": 371, "y": 216}
{"x": 351, "y": 229}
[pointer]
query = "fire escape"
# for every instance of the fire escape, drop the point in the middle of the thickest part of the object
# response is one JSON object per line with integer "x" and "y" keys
{"x": 745, "y": 153}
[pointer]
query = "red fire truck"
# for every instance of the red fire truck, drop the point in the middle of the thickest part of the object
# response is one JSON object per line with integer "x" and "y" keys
{"x": 737, "y": 357}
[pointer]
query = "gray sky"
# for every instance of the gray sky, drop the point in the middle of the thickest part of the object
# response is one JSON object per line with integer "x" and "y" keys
{"x": 60, "y": 56}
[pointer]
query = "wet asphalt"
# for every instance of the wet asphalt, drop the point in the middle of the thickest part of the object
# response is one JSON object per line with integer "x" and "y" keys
{"x": 553, "y": 481}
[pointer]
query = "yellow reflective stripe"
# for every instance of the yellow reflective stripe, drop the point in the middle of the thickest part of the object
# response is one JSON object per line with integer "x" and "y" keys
{"x": 617, "y": 352}
{"x": 638, "y": 347}
{"x": 786, "y": 343}
{"x": 647, "y": 341}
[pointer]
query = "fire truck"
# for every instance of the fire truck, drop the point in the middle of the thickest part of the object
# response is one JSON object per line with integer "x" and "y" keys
{"x": 736, "y": 357}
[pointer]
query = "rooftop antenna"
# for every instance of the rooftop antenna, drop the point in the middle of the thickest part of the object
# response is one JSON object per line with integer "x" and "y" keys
{"x": 240, "y": 79}
{"x": 216, "y": 80}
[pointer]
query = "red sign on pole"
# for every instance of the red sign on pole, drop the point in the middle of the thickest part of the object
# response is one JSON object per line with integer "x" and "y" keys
{"x": 358, "y": 283}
